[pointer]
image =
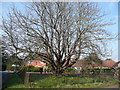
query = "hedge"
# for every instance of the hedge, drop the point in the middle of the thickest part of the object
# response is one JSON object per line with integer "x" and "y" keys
{"x": 95, "y": 70}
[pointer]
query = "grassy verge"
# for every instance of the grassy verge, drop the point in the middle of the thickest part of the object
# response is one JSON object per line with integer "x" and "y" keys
{"x": 50, "y": 81}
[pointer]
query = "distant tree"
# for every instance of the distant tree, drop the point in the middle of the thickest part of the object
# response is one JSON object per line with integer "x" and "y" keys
{"x": 13, "y": 60}
{"x": 8, "y": 57}
{"x": 93, "y": 58}
{"x": 4, "y": 55}
{"x": 56, "y": 31}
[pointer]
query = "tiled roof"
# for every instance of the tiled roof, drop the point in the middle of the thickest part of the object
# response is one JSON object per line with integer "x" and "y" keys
{"x": 80, "y": 63}
{"x": 116, "y": 64}
{"x": 84, "y": 63}
{"x": 36, "y": 63}
{"x": 108, "y": 63}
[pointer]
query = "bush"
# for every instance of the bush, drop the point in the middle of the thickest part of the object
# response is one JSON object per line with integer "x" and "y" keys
{"x": 69, "y": 70}
{"x": 95, "y": 71}
{"x": 33, "y": 69}
{"x": 49, "y": 69}
{"x": 29, "y": 68}
{"x": 86, "y": 71}
{"x": 37, "y": 69}
{"x": 4, "y": 67}
{"x": 15, "y": 68}
{"x": 108, "y": 70}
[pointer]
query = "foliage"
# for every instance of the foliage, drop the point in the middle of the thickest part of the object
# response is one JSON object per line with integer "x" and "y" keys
{"x": 37, "y": 69}
{"x": 33, "y": 69}
{"x": 13, "y": 59}
{"x": 93, "y": 59}
{"x": 29, "y": 68}
{"x": 15, "y": 68}
{"x": 3, "y": 55}
{"x": 69, "y": 70}
{"x": 9, "y": 64}
{"x": 49, "y": 69}
{"x": 96, "y": 71}
{"x": 3, "y": 67}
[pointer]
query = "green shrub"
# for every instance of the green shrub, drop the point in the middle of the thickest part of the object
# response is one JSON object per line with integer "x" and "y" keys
{"x": 29, "y": 68}
{"x": 108, "y": 70}
{"x": 95, "y": 71}
{"x": 33, "y": 69}
{"x": 37, "y": 69}
{"x": 69, "y": 70}
{"x": 86, "y": 71}
{"x": 4, "y": 67}
{"x": 15, "y": 68}
{"x": 49, "y": 69}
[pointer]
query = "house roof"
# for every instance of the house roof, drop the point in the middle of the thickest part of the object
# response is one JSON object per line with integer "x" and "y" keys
{"x": 85, "y": 63}
{"x": 116, "y": 64}
{"x": 36, "y": 63}
{"x": 80, "y": 63}
{"x": 108, "y": 63}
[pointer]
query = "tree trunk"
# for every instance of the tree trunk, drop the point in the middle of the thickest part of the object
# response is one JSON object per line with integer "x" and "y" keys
{"x": 58, "y": 72}
{"x": 26, "y": 78}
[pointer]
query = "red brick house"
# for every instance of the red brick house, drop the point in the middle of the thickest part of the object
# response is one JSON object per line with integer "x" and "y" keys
{"x": 117, "y": 65}
{"x": 36, "y": 63}
{"x": 108, "y": 63}
{"x": 84, "y": 64}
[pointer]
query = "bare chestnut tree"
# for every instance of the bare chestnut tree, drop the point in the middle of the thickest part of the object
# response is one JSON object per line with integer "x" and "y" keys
{"x": 59, "y": 33}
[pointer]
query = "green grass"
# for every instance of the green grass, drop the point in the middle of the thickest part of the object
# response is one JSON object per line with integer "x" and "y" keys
{"x": 50, "y": 81}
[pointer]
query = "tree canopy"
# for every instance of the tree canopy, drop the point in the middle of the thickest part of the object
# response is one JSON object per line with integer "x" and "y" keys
{"x": 56, "y": 31}
{"x": 93, "y": 58}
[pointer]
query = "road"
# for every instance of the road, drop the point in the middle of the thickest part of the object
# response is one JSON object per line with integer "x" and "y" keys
{"x": 112, "y": 86}
{"x": 4, "y": 76}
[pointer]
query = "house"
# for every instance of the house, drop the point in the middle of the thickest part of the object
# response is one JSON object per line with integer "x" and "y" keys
{"x": 84, "y": 64}
{"x": 108, "y": 63}
{"x": 36, "y": 63}
{"x": 117, "y": 65}
{"x": 117, "y": 70}
{"x": 79, "y": 64}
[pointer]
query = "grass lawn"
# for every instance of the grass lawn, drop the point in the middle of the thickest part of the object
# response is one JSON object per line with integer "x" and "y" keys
{"x": 50, "y": 81}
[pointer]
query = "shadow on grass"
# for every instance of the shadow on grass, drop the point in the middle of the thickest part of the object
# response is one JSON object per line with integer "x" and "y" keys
{"x": 13, "y": 80}
{"x": 36, "y": 77}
